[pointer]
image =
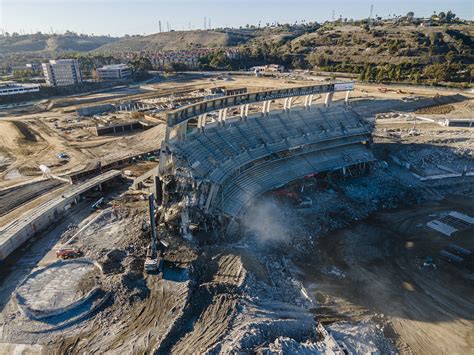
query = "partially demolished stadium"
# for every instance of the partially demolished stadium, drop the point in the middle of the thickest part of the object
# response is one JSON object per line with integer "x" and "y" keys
{"x": 212, "y": 167}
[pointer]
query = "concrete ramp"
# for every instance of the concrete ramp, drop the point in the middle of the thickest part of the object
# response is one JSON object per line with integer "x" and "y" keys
{"x": 14, "y": 234}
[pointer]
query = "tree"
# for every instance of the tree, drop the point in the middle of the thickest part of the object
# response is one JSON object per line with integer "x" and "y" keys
{"x": 437, "y": 72}
{"x": 175, "y": 67}
{"x": 298, "y": 63}
{"x": 140, "y": 67}
{"x": 410, "y": 15}
{"x": 450, "y": 57}
{"x": 450, "y": 16}
{"x": 318, "y": 59}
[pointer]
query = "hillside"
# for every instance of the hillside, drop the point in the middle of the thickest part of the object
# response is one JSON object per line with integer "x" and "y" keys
{"x": 51, "y": 43}
{"x": 386, "y": 51}
{"x": 176, "y": 40}
{"x": 384, "y": 44}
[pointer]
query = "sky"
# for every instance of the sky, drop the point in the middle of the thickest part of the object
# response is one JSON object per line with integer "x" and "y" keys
{"x": 119, "y": 17}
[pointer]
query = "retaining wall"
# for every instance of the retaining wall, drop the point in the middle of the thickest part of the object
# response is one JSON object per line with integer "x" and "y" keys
{"x": 122, "y": 128}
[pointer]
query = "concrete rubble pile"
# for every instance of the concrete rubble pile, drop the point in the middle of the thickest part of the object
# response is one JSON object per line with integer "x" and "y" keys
{"x": 183, "y": 203}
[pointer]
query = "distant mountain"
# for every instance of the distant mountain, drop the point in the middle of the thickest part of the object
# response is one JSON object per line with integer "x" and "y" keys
{"x": 176, "y": 40}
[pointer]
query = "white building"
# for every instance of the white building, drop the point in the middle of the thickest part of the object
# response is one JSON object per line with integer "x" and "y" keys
{"x": 114, "y": 72}
{"x": 62, "y": 72}
{"x": 15, "y": 89}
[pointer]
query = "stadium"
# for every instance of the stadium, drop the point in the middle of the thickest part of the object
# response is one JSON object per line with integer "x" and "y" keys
{"x": 212, "y": 167}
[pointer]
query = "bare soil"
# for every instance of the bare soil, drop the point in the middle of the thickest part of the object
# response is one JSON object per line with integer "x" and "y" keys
{"x": 426, "y": 311}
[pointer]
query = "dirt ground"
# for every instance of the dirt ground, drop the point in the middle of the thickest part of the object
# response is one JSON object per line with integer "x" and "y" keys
{"x": 381, "y": 258}
{"x": 351, "y": 261}
{"x": 28, "y": 139}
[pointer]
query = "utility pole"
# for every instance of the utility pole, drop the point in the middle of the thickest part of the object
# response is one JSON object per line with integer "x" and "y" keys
{"x": 205, "y": 23}
{"x": 333, "y": 15}
{"x": 369, "y": 22}
{"x": 159, "y": 25}
{"x": 209, "y": 27}
{"x": 168, "y": 25}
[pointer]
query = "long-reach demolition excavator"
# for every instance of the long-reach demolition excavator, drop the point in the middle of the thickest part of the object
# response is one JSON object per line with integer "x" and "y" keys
{"x": 154, "y": 257}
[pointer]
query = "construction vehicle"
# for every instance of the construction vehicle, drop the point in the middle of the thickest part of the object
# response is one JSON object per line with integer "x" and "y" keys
{"x": 305, "y": 202}
{"x": 293, "y": 197}
{"x": 153, "y": 261}
{"x": 63, "y": 156}
{"x": 428, "y": 264}
{"x": 286, "y": 195}
{"x": 98, "y": 203}
{"x": 68, "y": 253}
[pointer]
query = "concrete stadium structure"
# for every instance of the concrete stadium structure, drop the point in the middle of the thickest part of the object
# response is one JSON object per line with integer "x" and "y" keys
{"x": 213, "y": 167}
{"x": 14, "y": 234}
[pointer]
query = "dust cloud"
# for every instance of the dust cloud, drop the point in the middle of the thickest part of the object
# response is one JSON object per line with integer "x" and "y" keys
{"x": 266, "y": 222}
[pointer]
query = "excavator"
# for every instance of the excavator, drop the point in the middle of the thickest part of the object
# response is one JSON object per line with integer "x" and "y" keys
{"x": 154, "y": 257}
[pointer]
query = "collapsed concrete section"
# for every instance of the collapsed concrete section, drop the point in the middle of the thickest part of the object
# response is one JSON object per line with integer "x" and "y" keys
{"x": 210, "y": 177}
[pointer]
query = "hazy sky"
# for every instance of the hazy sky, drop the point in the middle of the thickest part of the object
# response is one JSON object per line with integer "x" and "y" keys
{"x": 118, "y": 17}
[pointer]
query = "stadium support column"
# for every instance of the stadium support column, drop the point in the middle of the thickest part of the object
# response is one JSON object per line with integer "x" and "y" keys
{"x": 328, "y": 100}
{"x": 244, "y": 111}
{"x": 201, "y": 122}
{"x": 167, "y": 133}
{"x": 346, "y": 100}
{"x": 266, "y": 108}
{"x": 224, "y": 116}
{"x": 308, "y": 99}
{"x": 219, "y": 118}
{"x": 182, "y": 128}
{"x": 288, "y": 106}
{"x": 285, "y": 105}
{"x": 163, "y": 157}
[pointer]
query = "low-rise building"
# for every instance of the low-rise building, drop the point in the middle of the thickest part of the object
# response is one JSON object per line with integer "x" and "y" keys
{"x": 274, "y": 68}
{"x": 16, "y": 89}
{"x": 28, "y": 69}
{"x": 114, "y": 72}
{"x": 62, "y": 72}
